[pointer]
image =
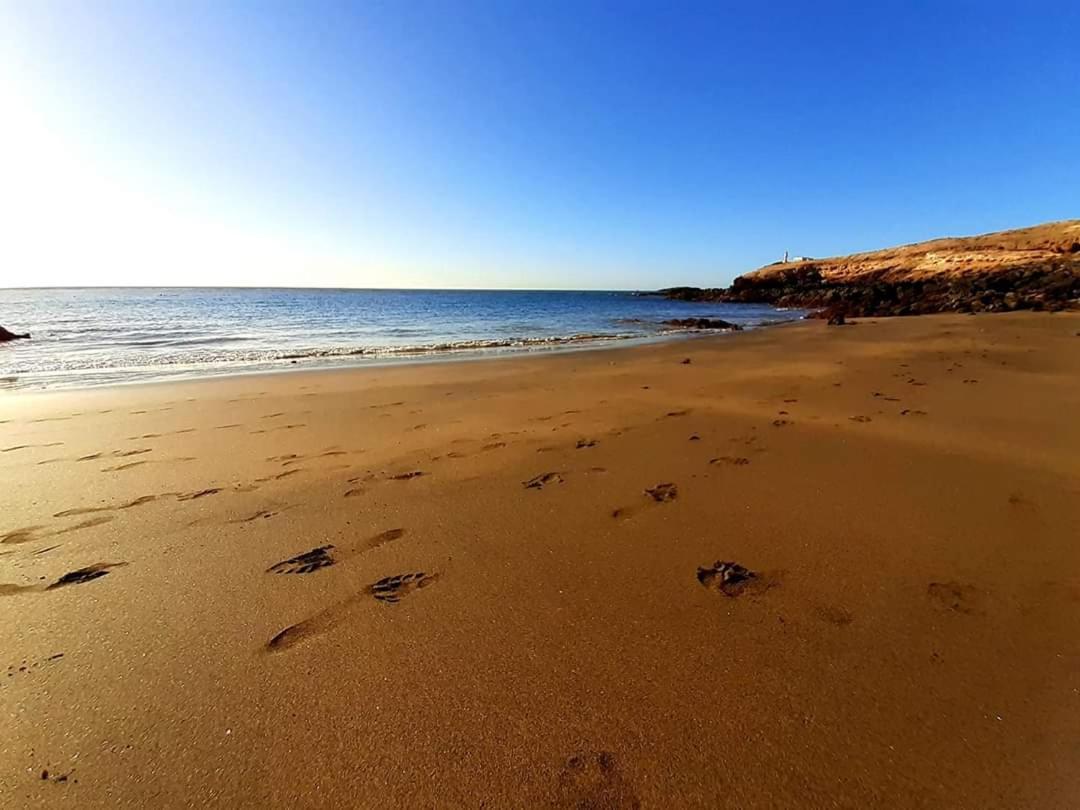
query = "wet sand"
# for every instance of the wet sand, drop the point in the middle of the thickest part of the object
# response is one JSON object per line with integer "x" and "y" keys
{"x": 497, "y": 583}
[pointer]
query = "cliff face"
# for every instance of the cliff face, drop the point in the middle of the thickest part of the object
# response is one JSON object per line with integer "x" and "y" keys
{"x": 1029, "y": 268}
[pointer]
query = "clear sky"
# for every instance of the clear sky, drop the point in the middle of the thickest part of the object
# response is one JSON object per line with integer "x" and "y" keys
{"x": 511, "y": 144}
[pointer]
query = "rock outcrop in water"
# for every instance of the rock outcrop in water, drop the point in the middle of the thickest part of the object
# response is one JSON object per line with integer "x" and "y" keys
{"x": 1031, "y": 268}
{"x": 703, "y": 323}
{"x": 5, "y": 335}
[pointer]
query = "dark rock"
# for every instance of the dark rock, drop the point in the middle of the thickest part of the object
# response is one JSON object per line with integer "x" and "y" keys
{"x": 5, "y": 335}
{"x": 835, "y": 317}
{"x": 703, "y": 323}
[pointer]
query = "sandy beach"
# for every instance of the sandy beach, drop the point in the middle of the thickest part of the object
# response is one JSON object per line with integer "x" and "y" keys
{"x": 497, "y": 583}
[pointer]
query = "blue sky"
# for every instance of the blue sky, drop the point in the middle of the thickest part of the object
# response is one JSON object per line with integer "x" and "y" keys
{"x": 505, "y": 144}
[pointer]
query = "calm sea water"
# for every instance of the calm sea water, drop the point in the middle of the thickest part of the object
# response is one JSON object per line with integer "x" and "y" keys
{"x": 84, "y": 337}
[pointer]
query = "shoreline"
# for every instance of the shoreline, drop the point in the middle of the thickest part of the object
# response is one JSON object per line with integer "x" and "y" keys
{"x": 355, "y": 360}
{"x": 320, "y": 589}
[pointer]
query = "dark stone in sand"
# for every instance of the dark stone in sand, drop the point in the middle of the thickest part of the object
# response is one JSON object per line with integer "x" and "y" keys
{"x": 835, "y": 316}
{"x": 5, "y": 335}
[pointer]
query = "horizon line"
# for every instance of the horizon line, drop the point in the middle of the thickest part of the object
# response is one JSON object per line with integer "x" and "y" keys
{"x": 323, "y": 289}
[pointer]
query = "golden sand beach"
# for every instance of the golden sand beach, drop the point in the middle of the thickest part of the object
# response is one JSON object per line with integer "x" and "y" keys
{"x": 802, "y": 566}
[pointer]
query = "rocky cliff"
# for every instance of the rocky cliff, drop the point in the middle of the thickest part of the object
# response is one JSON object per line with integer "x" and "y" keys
{"x": 1028, "y": 268}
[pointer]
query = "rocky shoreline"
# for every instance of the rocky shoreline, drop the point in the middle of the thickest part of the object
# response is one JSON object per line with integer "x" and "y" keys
{"x": 5, "y": 336}
{"x": 1030, "y": 269}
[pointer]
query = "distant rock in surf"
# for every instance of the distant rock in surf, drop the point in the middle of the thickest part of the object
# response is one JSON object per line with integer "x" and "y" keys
{"x": 5, "y": 335}
{"x": 703, "y": 323}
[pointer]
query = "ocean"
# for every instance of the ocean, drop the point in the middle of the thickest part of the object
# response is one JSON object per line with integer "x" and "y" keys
{"x": 91, "y": 336}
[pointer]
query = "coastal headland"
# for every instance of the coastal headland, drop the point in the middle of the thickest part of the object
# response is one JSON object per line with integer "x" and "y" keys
{"x": 1034, "y": 268}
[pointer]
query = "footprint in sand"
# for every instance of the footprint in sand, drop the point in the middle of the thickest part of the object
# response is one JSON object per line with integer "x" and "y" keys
{"x": 780, "y": 422}
{"x": 29, "y": 446}
{"x": 912, "y": 412}
{"x": 1018, "y": 501}
{"x": 10, "y": 588}
{"x": 582, "y": 444}
{"x": 76, "y": 577}
{"x": 263, "y": 514}
{"x": 956, "y": 596}
{"x": 322, "y": 622}
{"x": 542, "y": 480}
{"x": 81, "y": 575}
{"x": 661, "y": 493}
{"x": 84, "y": 524}
{"x": 140, "y": 501}
{"x": 306, "y": 563}
{"x": 202, "y": 493}
{"x": 388, "y": 590}
{"x": 732, "y": 579}
{"x": 121, "y": 467}
{"x": 734, "y": 461}
{"x": 86, "y": 510}
{"x": 407, "y": 476}
{"x": 859, "y": 418}
{"x": 27, "y": 534}
{"x": 391, "y": 590}
{"x": 837, "y": 616}
{"x": 31, "y": 534}
{"x": 592, "y": 780}
{"x": 311, "y": 561}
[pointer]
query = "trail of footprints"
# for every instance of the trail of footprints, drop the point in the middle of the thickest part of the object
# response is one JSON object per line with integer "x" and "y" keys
{"x": 387, "y": 590}
{"x": 725, "y": 578}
